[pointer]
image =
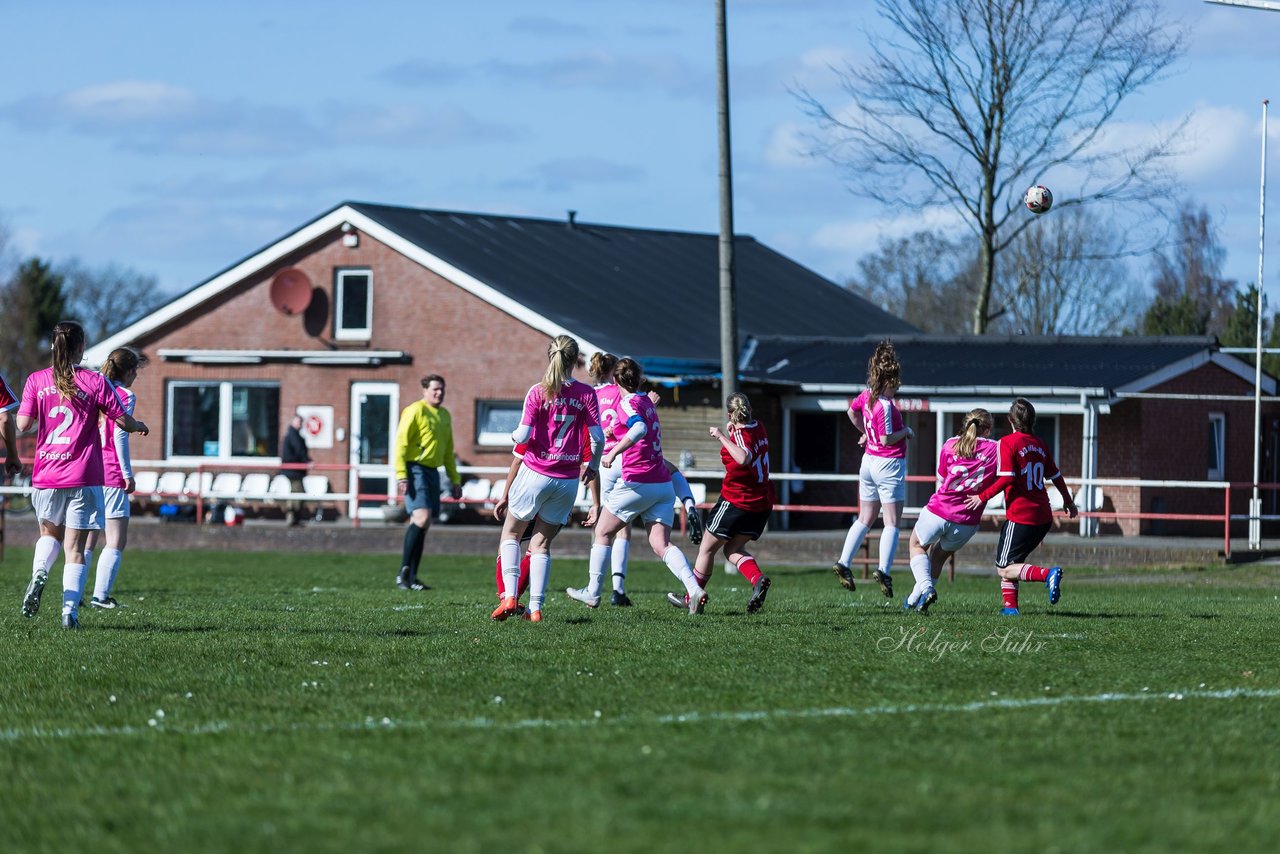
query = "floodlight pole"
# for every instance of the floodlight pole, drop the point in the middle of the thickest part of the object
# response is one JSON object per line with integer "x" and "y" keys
{"x": 1255, "y": 503}
{"x": 728, "y": 309}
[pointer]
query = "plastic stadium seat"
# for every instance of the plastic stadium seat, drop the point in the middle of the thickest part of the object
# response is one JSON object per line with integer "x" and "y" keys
{"x": 145, "y": 483}
{"x": 477, "y": 491}
{"x": 170, "y": 484}
{"x": 280, "y": 485}
{"x": 315, "y": 485}
{"x": 226, "y": 483}
{"x": 198, "y": 483}
{"x": 255, "y": 485}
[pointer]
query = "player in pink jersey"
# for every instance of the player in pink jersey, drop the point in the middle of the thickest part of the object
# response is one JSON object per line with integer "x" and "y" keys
{"x": 643, "y": 491}
{"x": 121, "y": 370}
{"x": 613, "y": 422}
{"x": 9, "y": 429}
{"x": 1024, "y": 465}
{"x": 883, "y": 475}
{"x": 967, "y": 463}
{"x": 63, "y": 403}
{"x": 556, "y": 411}
{"x": 746, "y": 502}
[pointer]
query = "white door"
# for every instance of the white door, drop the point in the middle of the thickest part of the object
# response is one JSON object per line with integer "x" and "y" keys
{"x": 375, "y": 411}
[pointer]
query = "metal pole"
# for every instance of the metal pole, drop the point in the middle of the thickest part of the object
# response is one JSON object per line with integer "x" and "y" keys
{"x": 728, "y": 309}
{"x": 1255, "y": 503}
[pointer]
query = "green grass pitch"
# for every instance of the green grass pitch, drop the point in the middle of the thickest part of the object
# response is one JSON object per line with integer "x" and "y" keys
{"x": 281, "y": 702}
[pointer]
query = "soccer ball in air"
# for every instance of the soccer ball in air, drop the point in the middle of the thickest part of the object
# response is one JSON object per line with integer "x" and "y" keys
{"x": 1038, "y": 199}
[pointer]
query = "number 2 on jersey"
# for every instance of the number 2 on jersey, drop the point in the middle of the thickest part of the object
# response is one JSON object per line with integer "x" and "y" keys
{"x": 68, "y": 418}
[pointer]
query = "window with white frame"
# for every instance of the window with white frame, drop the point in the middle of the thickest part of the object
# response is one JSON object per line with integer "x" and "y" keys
{"x": 1217, "y": 446}
{"x": 222, "y": 420}
{"x": 496, "y": 420}
{"x": 353, "y": 305}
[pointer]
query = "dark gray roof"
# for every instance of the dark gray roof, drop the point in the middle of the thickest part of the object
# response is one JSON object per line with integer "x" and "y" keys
{"x": 640, "y": 292}
{"x": 972, "y": 361}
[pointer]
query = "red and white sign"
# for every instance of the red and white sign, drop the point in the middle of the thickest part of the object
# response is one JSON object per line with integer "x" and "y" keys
{"x": 317, "y": 425}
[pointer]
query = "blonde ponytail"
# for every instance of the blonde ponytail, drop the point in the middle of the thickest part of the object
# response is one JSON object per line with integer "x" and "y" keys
{"x": 977, "y": 422}
{"x": 563, "y": 356}
{"x": 739, "y": 408}
{"x": 68, "y": 347}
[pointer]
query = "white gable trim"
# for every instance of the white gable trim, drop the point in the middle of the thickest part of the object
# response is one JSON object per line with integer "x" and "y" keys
{"x": 300, "y": 238}
{"x": 1226, "y": 361}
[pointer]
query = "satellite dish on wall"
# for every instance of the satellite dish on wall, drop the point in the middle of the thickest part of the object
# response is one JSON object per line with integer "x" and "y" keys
{"x": 290, "y": 291}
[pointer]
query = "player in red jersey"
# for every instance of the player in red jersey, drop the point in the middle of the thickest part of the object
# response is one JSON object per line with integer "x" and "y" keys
{"x": 746, "y": 502}
{"x": 1024, "y": 466}
{"x": 9, "y": 403}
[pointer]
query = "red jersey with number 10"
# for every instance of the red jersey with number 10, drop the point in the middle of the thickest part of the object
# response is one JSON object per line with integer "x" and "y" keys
{"x": 747, "y": 487}
{"x": 1026, "y": 459}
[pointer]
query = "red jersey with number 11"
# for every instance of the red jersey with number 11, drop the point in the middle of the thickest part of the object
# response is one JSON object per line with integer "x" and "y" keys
{"x": 747, "y": 487}
{"x": 1026, "y": 459}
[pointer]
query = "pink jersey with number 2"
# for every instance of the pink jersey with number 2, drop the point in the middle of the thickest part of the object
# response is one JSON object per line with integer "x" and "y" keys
{"x": 68, "y": 452}
{"x": 959, "y": 477}
{"x": 555, "y": 444}
{"x": 611, "y": 418}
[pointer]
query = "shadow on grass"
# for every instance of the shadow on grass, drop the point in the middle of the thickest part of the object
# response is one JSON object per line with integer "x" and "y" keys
{"x": 152, "y": 627}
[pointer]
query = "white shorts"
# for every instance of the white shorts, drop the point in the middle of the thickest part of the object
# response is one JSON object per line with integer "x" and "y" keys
{"x": 609, "y": 478}
{"x": 75, "y": 507}
{"x": 534, "y": 494}
{"x": 652, "y": 502}
{"x": 883, "y": 479}
{"x": 116, "y": 502}
{"x": 932, "y": 528}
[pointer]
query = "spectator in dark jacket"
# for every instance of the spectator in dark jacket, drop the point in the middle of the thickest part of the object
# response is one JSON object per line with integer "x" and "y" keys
{"x": 294, "y": 450}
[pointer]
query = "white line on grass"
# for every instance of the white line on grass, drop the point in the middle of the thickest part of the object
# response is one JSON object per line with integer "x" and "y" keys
{"x": 170, "y": 728}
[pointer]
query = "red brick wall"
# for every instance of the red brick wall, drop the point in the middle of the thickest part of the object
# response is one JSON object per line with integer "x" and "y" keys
{"x": 481, "y": 351}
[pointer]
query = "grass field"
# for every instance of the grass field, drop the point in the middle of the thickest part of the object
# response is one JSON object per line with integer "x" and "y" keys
{"x": 281, "y": 702}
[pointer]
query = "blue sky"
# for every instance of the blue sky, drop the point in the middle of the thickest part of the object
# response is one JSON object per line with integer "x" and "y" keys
{"x": 176, "y": 138}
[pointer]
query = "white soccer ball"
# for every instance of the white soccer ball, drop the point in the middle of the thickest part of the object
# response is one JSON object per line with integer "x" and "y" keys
{"x": 1038, "y": 199}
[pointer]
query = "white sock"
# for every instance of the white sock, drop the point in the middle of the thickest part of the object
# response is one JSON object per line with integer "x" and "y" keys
{"x": 88, "y": 558}
{"x": 888, "y": 548}
{"x": 621, "y": 548}
{"x": 681, "y": 486}
{"x": 679, "y": 566}
{"x": 72, "y": 586}
{"x": 47, "y": 549}
{"x": 539, "y": 574}
{"x": 852, "y": 542}
{"x": 509, "y": 554}
{"x": 599, "y": 560}
{"x": 920, "y": 570}
{"x": 105, "y": 576}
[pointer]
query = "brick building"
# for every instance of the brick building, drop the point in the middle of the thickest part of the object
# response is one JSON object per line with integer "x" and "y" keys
{"x": 1170, "y": 409}
{"x": 391, "y": 294}
{"x": 374, "y": 297}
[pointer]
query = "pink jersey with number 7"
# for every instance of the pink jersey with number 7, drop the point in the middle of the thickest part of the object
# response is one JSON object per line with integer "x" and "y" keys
{"x": 555, "y": 443}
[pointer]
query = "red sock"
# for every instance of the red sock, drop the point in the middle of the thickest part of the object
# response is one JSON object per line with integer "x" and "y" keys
{"x": 1009, "y": 590}
{"x": 522, "y": 586}
{"x": 1033, "y": 573}
{"x": 749, "y": 569}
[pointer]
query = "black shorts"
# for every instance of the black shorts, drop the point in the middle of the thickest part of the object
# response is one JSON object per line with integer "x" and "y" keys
{"x": 1018, "y": 541}
{"x": 727, "y": 521}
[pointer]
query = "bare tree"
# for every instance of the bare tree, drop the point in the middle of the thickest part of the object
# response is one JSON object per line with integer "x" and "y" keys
{"x": 926, "y": 279}
{"x": 1192, "y": 297}
{"x": 1063, "y": 276}
{"x": 109, "y": 298}
{"x": 966, "y": 102}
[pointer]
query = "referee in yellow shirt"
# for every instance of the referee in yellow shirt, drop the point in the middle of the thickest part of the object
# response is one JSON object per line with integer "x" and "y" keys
{"x": 424, "y": 442}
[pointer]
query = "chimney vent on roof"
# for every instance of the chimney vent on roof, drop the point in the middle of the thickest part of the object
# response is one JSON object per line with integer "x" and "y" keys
{"x": 573, "y": 219}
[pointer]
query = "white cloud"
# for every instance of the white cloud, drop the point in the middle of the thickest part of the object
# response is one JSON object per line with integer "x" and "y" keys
{"x": 125, "y": 101}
